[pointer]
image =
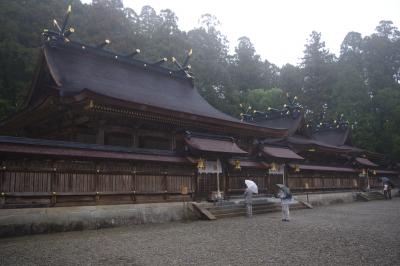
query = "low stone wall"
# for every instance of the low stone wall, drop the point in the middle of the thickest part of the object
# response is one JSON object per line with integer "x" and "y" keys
{"x": 16, "y": 222}
{"x": 323, "y": 199}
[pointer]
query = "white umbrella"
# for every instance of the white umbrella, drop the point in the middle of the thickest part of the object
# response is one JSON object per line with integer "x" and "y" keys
{"x": 251, "y": 185}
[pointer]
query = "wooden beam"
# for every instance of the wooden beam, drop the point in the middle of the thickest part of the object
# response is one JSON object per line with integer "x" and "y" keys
{"x": 82, "y": 120}
{"x": 100, "y": 136}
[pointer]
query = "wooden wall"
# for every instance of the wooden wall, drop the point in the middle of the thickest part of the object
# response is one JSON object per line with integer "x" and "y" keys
{"x": 266, "y": 183}
{"x": 322, "y": 181}
{"x": 71, "y": 182}
{"x": 26, "y": 182}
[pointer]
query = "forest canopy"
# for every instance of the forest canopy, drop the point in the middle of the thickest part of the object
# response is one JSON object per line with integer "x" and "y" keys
{"x": 362, "y": 82}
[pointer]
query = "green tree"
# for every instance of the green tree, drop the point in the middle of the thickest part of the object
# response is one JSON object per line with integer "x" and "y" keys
{"x": 247, "y": 70}
{"x": 350, "y": 94}
{"x": 210, "y": 63}
{"x": 262, "y": 99}
{"x": 319, "y": 74}
{"x": 21, "y": 24}
{"x": 381, "y": 57}
{"x": 291, "y": 79}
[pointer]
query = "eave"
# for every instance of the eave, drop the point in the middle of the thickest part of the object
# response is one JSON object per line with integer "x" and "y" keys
{"x": 99, "y": 103}
{"x": 27, "y": 146}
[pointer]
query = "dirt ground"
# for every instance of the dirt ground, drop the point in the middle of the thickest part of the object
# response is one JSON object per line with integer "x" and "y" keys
{"x": 361, "y": 233}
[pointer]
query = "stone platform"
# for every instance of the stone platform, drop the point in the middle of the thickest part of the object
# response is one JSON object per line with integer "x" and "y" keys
{"x": 17, "y": 222}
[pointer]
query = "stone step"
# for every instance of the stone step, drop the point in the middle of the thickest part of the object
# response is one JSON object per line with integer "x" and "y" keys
{"x": 368, "y": 196}
{"x": 201, "y": 212}
{"x": 242, "y": 209}
{"x": 375, "y": 195}
{"x": 258, "y": 209}
{"x": 243, "y": 213}
{"x": 238, "y": 206}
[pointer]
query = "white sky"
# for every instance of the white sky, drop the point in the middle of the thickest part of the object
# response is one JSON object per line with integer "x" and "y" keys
{"x": 279, "y": 29}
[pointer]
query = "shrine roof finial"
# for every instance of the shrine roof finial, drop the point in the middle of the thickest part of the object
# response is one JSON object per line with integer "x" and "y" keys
{"x": 60, "y": 37}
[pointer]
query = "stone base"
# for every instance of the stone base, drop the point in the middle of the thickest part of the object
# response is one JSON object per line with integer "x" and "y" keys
{"x": 324, "y": 199}
{"x": 17, "y": 222}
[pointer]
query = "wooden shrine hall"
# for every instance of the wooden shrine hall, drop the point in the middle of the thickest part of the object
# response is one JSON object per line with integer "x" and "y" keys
{"x": 104, "y": 128}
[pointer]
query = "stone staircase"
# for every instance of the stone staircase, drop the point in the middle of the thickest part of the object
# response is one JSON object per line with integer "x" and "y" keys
{"x": 230, "y": 209}
{"x": 368, "y": 196}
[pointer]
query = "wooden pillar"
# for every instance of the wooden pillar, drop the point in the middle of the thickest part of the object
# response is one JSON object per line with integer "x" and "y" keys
{"x": 165, "y": 183}
{"x": 53, "y": 176}
{"x": 227, "y": 183}
{"x": 134, "y": 179}
{"x": 193, "y": 186}
{"x": 96, "y": 182}
{"x": 173, "y": 141}
{"x": 133, "y": 176}
{"x": 100, "y": 136}
{"x": 134, "y": 188}
{"x": 135, "y": 139}
{"x": 196, "y": 184}
{"x": 2, "y": 177}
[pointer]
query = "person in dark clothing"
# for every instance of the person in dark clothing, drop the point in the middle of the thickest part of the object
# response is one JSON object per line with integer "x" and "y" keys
{"x": 285, "y": 200}
{"x": 389, "y": 191}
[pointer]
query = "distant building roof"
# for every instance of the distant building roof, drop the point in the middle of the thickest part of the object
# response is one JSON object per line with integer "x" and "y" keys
{"x": 312, "y": 143}
{"x": 246, "y": 163}
{"x": 217, "y": 145}
{"x": 335, "y": 137}
{"x": 365, "y": 162}
{"x": 283, "y": 153}
{"x": 323, "y": 168}
{"x": 288, "y": 122}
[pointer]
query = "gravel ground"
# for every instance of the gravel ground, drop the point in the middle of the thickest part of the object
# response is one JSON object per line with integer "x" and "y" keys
{"x": 348, "y": 234}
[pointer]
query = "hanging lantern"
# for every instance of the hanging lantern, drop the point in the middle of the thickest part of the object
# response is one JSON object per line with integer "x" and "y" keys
{"x": 200, "y": 163}
{"x": 364, "y": 172}
{"x": 296, "y": 168}
{"x": 273, "y": 167}
{"x": 237, "y": 165}
{"x": 374, "y": 172}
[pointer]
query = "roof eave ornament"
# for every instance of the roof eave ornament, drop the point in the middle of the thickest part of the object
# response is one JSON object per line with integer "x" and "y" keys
{"x": 103, "y": 44}
{"x": 61, "y": 33}
{"x": 185, "y": 67}
{"x": 339, "y": 124}
{"x": 160, "y": 62}
{"x": 292, "y": 109}
{"x": 134, "y": 53}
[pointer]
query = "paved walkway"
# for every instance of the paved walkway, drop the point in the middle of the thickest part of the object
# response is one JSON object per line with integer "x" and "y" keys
{"x": 362, "y": 233}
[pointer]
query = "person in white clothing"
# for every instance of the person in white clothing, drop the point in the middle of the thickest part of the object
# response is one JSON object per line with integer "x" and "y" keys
{"x": 385, "y": 190}
{"x": 248, "y": 196}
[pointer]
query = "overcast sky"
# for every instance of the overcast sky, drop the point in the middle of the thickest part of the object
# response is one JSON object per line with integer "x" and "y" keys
{"x": 280, "y": 28}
